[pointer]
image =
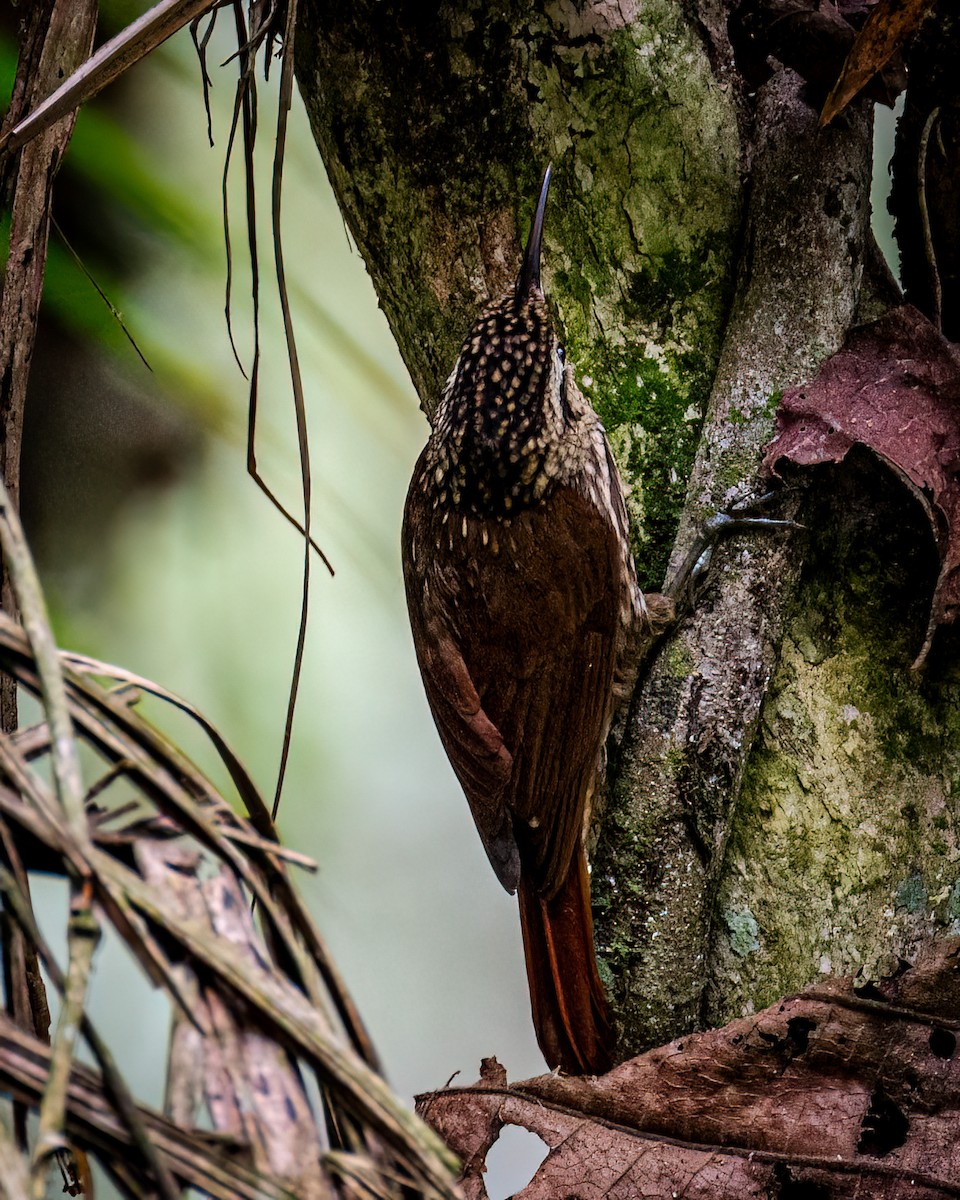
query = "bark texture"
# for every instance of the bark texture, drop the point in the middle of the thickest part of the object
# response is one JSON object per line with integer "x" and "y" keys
{"x": 55, "y": 38}
{"x": 781, "y": 799}
{"x": 694, "y": 721}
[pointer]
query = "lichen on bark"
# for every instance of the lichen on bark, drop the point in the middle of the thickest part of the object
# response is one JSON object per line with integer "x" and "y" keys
{"x": 846, "y": 842}
{"x": 688, "y": 741}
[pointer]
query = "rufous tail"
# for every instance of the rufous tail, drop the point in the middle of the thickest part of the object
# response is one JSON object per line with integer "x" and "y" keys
{"x": 571, "y": 1014}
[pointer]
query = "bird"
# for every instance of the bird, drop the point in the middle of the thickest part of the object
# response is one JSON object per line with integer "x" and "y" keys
{"x": 524, "y": 604}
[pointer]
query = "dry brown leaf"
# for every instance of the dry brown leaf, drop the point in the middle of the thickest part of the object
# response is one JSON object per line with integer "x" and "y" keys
{"x": 894, "y": 387}
{"x": 824, "y": 1095}
{"x": 813, "y": 38}
{"x": 884, "y": 32}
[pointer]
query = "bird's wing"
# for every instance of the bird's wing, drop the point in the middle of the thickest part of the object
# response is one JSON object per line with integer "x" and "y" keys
{"x": 516, "y": 627}
{"x": 476, "y": 750}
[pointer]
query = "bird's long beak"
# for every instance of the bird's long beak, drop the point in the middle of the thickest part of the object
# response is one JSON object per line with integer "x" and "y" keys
{"x": 529, "y": 279}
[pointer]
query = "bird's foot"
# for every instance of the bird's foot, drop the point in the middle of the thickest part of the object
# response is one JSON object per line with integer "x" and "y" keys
{"x": 681, "y": 585}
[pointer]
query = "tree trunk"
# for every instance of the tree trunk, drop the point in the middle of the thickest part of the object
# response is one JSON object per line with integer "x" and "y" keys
{"x": 781, "y": 799}
{"x": 55, "y": 39}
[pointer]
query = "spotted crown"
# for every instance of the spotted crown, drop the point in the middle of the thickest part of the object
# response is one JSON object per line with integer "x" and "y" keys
{"x": 503, "y": 411}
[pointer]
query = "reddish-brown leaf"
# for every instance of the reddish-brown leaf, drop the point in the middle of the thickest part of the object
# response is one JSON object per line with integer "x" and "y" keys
{"x": 825, "y": 1093}
{"x": 893, "y": 387}
{"x": 884, "y": 32}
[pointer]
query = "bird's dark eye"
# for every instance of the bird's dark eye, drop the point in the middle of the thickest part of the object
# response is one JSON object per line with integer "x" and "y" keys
{"x": 561, "y": 353}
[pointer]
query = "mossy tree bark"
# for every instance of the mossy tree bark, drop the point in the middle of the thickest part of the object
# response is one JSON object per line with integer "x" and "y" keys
{"x": 782, "y": 794}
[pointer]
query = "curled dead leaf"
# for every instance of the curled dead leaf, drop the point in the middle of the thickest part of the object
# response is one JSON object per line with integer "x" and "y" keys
{"x": 824, "y": 1094}
{"x": 884, "y": 34}
{"x": 893, "y": 387}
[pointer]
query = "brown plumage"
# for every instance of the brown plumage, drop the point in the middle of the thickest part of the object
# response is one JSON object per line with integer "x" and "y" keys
{"x": 523, "y": 598}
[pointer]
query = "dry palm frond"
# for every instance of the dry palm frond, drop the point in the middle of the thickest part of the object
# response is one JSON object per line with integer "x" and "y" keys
{"x": 258, "y": 1003}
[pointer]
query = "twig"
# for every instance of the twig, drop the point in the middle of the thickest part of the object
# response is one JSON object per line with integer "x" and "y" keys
{"x": 57, "y": 37}
{"x": 937, "y": 315}
{"x": 84, "y": 931}
{"x": 83, "y": 935}
{"x": 83, "y": 664}
{"x": 181, "y": 791}
{"x": 36, "y": 623}
{"x": 25, "y": 990}
{"x": 289, "y": 1016}
{"x": 112, "y": 59}
{"x": 114, "y": 311}
{"x": 296, "y": 381}
{"x": 113, "y": 1079}
{"x": 193, "y": 1157}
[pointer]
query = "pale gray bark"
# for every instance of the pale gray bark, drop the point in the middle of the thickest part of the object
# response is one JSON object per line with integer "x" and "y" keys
{"x": 696, "y": 714}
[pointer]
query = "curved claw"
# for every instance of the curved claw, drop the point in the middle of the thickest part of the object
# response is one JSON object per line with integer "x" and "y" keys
{"x": 697, "y": 562}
